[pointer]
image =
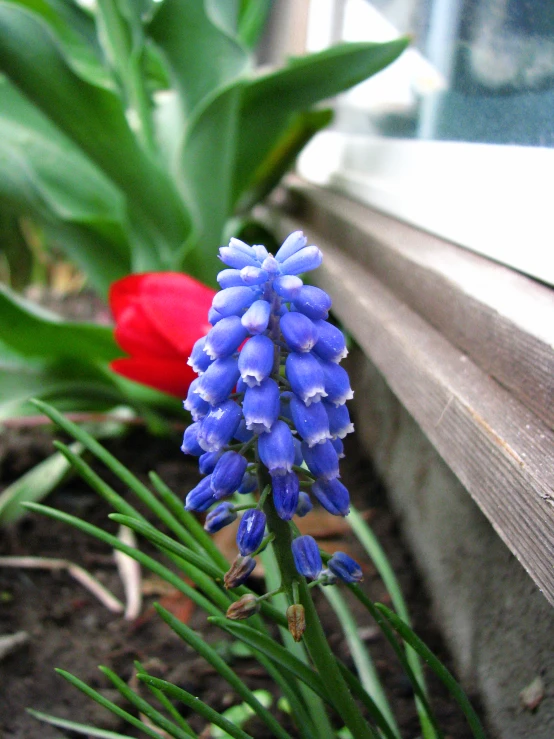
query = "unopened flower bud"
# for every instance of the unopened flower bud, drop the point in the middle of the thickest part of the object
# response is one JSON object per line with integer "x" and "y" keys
{"x": 307, "y": 557}
{"x": 251, "y": 531}
{"x": 243, "y": 608}
{"x": 297, "y": 620}
{"x": 345, "y": 568}
{"x": 239, "y": 571}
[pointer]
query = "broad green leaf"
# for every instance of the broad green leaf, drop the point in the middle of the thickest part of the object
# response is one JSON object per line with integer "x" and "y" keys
{"x": 35, "y": 332}
{"x": 102, "y": 259}
{"x": 14, "y": 248}
{"x": 252, "y": 19}
{"x": 72, "y": 385}
{"x": 201, "y": 55}
{"x": 43, "y": 174}
{"x": 208, "y": 166}
{"x": 43, "y": 170}
{"x": 253, "y": 118}
{"x": 121, "y": 33}
{"x": 302, "y": 127}
{"x": 269, "y": 100}
{"x": 34, "y": 485}
{"x": 95, "y": 120}
{"x": 225, "y": 15}
{"x": 69, "y": 24}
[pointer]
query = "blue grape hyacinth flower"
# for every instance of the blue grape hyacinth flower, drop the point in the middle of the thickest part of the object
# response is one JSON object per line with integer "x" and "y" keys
{"x": 269, "y": 404}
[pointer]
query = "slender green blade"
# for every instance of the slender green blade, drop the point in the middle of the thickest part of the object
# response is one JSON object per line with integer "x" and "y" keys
{"x": 169, "y": 544}
{"x": 196, "y": 704}
{"x": 112, "y": 541}
{"x": 223, "y": 669}
{"x": 314, "y": 704}
{"x": 438, "y": 668}
{"x": 62, "y": 723}
{"x": 390, "y": 636}
{"x": 166, "y": 703}
{"x": 145, "y": 708}
{"x": 371, "y": 544}
{"x": 105, "y": 703}
{"x": 276, "y": 653}
{"x": 203, "y": 541}
{"x": 364, "y": 665}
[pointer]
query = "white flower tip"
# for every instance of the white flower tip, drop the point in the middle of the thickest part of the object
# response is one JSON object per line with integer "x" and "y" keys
{"x": 318, "y": 439}
{"x": 343, "y": 398}
{"x": 252, "y": 379}
{"x": 315, "y": 396}
{"x": 338, "y": 359}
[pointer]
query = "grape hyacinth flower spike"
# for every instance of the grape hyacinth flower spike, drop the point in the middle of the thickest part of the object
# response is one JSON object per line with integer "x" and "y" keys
{"x": 269, "y": 415}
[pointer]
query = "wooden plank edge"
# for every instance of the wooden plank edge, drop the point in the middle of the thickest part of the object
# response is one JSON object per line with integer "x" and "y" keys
{"x": 508, "y": 330}
{"x": 499, "y": 450}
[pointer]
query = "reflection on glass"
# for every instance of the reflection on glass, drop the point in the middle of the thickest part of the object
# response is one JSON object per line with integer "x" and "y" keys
{"x": 479, "y": 70}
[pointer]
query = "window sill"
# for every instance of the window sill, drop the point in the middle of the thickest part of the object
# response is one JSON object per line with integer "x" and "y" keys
{"x": 465, "y": 344}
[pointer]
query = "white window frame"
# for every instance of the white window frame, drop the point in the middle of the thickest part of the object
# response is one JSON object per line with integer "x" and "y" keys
{"x": 495, "y": 200}
{"x": 492, "y": 199}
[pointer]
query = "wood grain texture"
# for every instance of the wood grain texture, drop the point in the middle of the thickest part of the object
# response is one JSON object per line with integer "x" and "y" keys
{"x": 503, "y": 320}
{"x": 497, "y": 447}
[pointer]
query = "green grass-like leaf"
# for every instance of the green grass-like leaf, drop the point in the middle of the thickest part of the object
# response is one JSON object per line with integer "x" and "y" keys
{"x": 438, "y": 668}
{"x": 85, "y": 729}
{"x": 364, "y": 665}
{"x": 375, "y": 551}
{"x": 278, "y": 654}
{"x": 145, "y": 560}
{"x": 110, "y": 705}
{"x": 145, "y": 708}
{"x": 400, "y": 653}
{"x": 196, "y": 704}
{"x": 223, "y": 669}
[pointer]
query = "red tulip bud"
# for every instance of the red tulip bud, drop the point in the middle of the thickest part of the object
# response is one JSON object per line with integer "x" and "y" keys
{"x": 159, "y": 316}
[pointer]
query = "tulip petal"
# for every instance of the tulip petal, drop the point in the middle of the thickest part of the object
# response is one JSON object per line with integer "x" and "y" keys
{"x": 175, "y": 304}
{"x": 171, "y": 376}
{"x": 135, "y": 334}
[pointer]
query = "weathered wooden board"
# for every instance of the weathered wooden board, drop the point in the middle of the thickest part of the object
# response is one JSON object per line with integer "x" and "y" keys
{"x": 498, "y": 448}
{"x": 503, "y": 320}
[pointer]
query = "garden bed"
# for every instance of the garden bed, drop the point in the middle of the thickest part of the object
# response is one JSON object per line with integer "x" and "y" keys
{"x": 68, "y": 628}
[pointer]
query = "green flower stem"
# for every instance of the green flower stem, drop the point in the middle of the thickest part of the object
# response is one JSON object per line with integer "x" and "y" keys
{"x": 314, "y": 636}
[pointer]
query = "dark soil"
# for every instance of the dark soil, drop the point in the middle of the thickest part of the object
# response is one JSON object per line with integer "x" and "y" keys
{"x": 70, "y": 629}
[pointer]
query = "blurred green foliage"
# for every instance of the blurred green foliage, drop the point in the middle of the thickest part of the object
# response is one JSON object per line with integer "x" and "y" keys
{"x": 131, "y": 135}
